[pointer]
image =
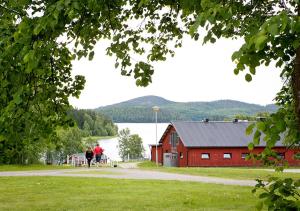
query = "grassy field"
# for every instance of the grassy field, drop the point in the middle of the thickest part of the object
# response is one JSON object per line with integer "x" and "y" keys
{"x": 226, "y": 172}
{"x": 32, "y": 167}
{"x": 68, "y": 193}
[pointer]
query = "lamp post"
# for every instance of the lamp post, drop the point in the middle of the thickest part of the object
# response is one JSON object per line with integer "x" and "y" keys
{"x": 156, "y": 110}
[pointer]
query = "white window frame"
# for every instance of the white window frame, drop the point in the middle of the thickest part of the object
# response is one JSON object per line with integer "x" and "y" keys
{"x": 205, "y": 156}
{"x": 227, "y": 155}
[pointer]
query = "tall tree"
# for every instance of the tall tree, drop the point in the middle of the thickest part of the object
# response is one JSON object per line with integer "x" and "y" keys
{"x": 130, "y": 146}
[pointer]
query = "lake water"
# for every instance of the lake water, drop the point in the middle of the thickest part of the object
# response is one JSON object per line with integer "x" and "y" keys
{"x": 145, "y": 130}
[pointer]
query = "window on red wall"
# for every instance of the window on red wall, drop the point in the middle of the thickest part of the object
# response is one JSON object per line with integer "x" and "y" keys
{"x": 227, "y": 156}
{"x": 205, "y": 155}
{"x": 281, "y": 155}
{"x": 181, "y": 155}
{"x": 174, "y": 139}
{"x": 244, "y": 155}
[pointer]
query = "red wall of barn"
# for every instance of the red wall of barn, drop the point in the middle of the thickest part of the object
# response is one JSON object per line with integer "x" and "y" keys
{"x": 216, "y": 156}
{"x": 159, "y": 154}
{"x": 192, "y": 156}
{"x": 166, "y": 148}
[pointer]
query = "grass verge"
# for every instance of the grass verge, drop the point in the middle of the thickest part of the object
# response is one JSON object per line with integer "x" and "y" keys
{"x": 32, "y": 167}
{"x": 223, "y": 172}
{"x": 68, "y": 193}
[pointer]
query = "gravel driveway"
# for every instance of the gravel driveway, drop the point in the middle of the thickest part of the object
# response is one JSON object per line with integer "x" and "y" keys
{"x": 128, "y": 173}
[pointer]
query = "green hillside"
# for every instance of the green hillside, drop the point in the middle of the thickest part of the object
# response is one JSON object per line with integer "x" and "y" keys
{"x": 140, "y": 110}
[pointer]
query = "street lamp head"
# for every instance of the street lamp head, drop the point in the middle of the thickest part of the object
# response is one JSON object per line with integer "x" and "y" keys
{"x": 155, "y": 108}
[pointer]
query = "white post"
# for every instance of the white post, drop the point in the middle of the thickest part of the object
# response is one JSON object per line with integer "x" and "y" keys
{"x": 68, "y": 159}
{"x": 156, "y": 109}
{"x": 156, "y": 155}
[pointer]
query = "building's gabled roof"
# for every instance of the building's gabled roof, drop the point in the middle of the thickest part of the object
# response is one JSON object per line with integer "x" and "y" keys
{"x": 213, "y": 134}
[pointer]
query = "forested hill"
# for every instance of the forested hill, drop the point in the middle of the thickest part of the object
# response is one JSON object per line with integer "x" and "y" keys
{"x": 93, "y": 123}
{"x": 140, "y": 110}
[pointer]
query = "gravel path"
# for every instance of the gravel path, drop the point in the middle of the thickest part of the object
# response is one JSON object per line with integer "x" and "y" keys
{"x": 128, "y": 165}
{"x": 128, "y": 173}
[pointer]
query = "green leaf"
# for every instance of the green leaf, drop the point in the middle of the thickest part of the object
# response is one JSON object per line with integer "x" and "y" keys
{"x": 261, "y": 126}
{"x": 296, "y": 44}
{"x": 91, "y": 55}
{"x": 281, "y": 125}
{"x": 260, "y": 42}
{"x": 249, "y": 129}
{"x": 2, "y": 138}
{"x": 273, "y": 29}
{"x": 17, "y": 99}
{"x": 236, "y": 71}
{"x": 263, "y": 195}
{"x": 248, "y": 77}
{"x": 143, "y": 2}
{"x": 250, "y": 146}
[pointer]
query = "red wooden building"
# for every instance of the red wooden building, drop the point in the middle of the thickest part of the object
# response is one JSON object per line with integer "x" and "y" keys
{"x": 191, "y": 144}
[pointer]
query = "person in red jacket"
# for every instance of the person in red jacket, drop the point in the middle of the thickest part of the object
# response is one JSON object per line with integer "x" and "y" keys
{"x": 98, "y": 153}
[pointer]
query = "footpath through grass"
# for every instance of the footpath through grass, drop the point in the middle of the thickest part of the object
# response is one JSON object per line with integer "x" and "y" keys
{"x": 32, "y": 167}
{"x": 68, "y": 193}
{"x": 223, "y": 172}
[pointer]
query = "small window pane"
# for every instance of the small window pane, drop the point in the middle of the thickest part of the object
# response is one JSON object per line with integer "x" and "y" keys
{"x": 244, "y": 155}
{"x": 280, "y": 155}
{"x": 227, "y": 155}
{"x": 181, "y": 155}
{"x": 205, "y": 155}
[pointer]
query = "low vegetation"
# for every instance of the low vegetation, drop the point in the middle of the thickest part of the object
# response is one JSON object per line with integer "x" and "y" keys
{"x": 243, "y": 173}
{"x": 32, "y": 167}
{"x": 50, "y": 193}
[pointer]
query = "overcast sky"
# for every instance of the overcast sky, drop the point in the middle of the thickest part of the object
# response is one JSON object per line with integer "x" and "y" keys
{"x": 196, "y": 73}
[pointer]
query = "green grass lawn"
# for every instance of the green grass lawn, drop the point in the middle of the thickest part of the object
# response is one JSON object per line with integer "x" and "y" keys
{"x": 32, "y": 167}
{"x": 68, "y": 193}
{"x": 224, "y": 172}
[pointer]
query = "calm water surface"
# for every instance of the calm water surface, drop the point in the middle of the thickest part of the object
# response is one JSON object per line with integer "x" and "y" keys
{"x": 145, "y": 130}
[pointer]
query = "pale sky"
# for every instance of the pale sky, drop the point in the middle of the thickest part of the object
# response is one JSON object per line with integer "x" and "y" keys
{"x": 196, "y": 73}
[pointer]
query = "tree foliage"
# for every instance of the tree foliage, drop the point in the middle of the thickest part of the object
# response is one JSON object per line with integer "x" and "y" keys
{"x": 68, "y": 142}
{"x": 39, "y": 39}
{"x": 93, "y": 123}
{"x": 279, "y": 194}
{"x": 130, "y": 146}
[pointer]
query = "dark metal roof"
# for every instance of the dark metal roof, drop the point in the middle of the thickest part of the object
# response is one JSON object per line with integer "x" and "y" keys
{"x": 213, "y": 134}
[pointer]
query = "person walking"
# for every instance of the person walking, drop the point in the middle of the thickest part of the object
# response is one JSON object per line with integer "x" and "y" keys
{"x": 98, "y": 153}
{"x": 89, "y": 154}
